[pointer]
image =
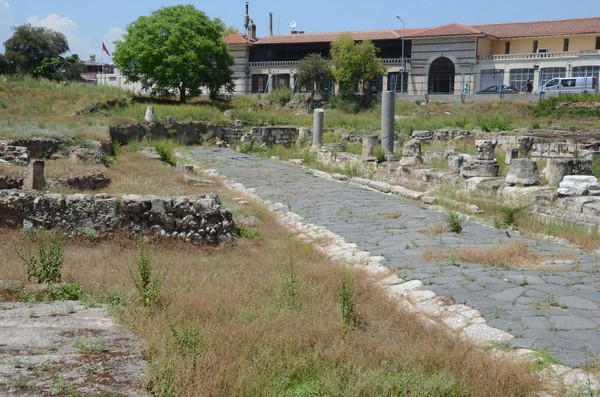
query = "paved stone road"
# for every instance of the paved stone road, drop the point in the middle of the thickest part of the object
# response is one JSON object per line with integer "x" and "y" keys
{"x": 556, "y": 307}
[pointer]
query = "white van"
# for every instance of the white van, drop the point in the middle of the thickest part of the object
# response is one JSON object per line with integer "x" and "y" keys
{"x": 570, "y": 84}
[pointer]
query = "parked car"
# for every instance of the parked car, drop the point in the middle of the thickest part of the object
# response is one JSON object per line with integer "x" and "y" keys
{"x": 505, "y": 89}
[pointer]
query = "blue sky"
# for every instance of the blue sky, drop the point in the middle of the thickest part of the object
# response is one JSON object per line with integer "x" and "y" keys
{"x": 87, "y": 24}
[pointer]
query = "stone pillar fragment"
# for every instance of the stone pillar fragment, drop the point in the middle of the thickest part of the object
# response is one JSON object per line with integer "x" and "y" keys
{"x": 485, "y": 149}
{"x": 318, "y": 117}
{"x": 387, "y": 122}
{"x": 368, "y": 147}
{"x": 523, "y": 172}
{"x": 149, "y": 118}
{"x": 34, "y": 176}
{"x": 411, "y": 153}
{"x": 511, "y": 154}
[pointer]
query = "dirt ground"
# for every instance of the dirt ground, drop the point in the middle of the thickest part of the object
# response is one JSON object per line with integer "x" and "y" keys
{"x": 66, "y": 348}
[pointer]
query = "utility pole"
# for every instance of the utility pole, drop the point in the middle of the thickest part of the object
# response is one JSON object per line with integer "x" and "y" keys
{"x": 402, "y": 75}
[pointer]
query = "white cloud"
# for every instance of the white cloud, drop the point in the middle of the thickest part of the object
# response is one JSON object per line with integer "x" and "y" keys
{"x": 4, "y": 4}
{"x": 77, "y": 44}
{"x": 55, "y": 22}
{"x": 114, "y": 34}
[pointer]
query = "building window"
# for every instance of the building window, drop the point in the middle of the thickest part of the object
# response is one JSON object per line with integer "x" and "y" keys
{"x": 565, "y": 45}
{"x": 259, "y": 83}
{"x": 585, "y": 71}
{"x": 535, "y": 46}
{"x": 547, "y": 74}
{"x": 598, "y": 43}
{"x": 281, "y": 80}
{"x": 397, "y": 82}
{"x": 491, "y": 77}
{"x": 519, "y": 77}
{"x": 507, "y": 47}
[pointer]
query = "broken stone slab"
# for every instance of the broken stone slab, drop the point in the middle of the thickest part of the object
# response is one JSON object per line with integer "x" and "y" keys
{"x": 422, "y": 135}
{"x": 558, "y": 168}
{"x": 523, "y": 172}
{"x": 528, "y": 194}
{"x": 473, "y": 168}
{"x": 579, "y": 185}
{"x": 484, "y": 184}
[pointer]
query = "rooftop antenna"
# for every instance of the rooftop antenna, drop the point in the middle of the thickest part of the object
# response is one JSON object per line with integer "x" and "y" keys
{"x": 293, "y": 26}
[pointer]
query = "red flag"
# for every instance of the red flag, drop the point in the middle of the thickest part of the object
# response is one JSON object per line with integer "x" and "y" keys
{"x": 105, "y": 49}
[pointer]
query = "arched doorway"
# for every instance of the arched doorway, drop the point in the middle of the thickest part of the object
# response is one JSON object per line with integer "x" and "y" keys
{"x": 441, "y": 76}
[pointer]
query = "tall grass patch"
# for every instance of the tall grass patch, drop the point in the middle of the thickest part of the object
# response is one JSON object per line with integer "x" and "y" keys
{"x": 506, "y": 255}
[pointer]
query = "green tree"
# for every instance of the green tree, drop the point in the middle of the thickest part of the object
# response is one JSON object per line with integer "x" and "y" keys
{"x": 60, "y": 69}
{"x": 176, "y": 50}
{"x": 313, "y": 71}
{"x": 230, "y": 30}
{"x": 4, "y": 69}
{"x": 354, "y": 63}
{"x": 26, "y": 49}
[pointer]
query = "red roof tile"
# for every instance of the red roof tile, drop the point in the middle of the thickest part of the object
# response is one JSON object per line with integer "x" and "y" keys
{"x": 565, "y": 27}
{"x": 235, "y": 39}
{"x": 452, "y": 29}
{"x": 302, "y": 38}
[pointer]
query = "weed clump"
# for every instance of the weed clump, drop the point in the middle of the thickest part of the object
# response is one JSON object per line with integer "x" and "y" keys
{"x": 455, "y": 222}
{"x": 46, "y": 266}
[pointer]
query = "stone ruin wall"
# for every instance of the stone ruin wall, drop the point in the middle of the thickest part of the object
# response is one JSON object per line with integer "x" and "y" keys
{"x": 196, "y": 133}
{"x": 197, "y": 219}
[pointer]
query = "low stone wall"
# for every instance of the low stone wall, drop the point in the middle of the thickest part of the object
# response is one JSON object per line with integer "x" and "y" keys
{"x": 10, "y": 182}
{"x": 551, "y": 147}
{"x": 198, "y": 219}
{"x": 11, "y": 153}
{"x": 195, "y": 133}
{"x": 94, "y": 181}
{"x": 192, "y": 133}
{"x": 273, "y": 135}
{"x": 41, "y": 147}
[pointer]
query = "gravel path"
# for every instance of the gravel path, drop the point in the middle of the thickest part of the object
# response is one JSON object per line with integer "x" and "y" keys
{"x": 556, "y": 307}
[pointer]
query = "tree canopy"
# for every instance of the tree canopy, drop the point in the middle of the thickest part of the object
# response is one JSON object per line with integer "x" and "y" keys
{"x": 314, "y": 70}
{"x": 176, "y": 50}
{"x": 60, "y": 69}
{"x": 354, "y": 63}
{"x": 29, "y": 46}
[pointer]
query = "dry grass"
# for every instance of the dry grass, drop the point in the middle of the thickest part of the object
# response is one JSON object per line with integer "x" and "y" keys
{"x": 262, "y": 316}
{"x": 68, "y": 167}
{"x": 512, "y": 254}
{"x": 16, "y": 171}
{"x": 392, "y": 215}
{"x": 438, "y": 228}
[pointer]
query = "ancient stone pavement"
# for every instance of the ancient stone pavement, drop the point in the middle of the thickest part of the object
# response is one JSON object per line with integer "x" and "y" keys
{"x": 556, "y": 308}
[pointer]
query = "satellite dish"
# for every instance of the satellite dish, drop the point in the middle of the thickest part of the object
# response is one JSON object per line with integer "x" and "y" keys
{"x": 293, "y": 24}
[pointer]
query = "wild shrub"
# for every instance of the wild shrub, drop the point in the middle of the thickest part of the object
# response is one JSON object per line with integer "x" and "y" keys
{"x": 347, "y": 301}
{"x": 148, "y": 285}
{"x": 454, "y": 221}
{"x": 46, "y": 265}
{"x": 281, "y": 96}
{"x": 166, "y": 150}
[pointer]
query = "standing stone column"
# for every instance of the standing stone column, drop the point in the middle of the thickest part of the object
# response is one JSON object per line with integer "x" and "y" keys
{"x": 34, "y": 176}
{"x": 387, "y": 122}
{"x": 318, "y": 127}
{"x": 149, "y": 118}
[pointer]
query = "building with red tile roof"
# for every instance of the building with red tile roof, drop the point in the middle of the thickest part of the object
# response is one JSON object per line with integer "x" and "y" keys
{"x": 447, "y": 59}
